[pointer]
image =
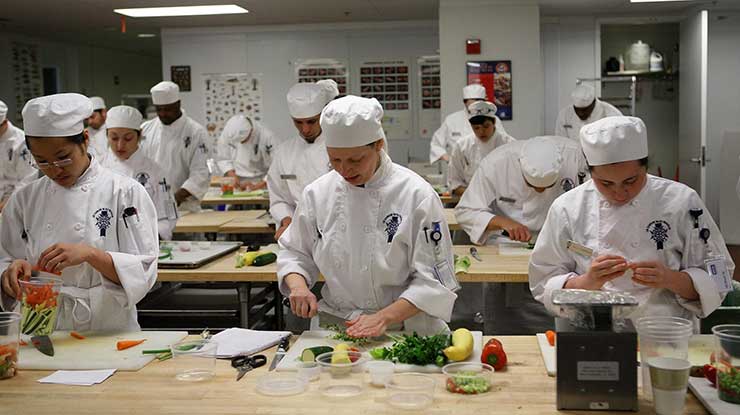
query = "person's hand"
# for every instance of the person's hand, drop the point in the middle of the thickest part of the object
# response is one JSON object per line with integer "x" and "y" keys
{"x": 59, "y": 256}
{"x": 652, "y": 274}
{"x": 303, "y": 302}
{"x": 602, "y": 270}
{"x": 459, "y": 190}
{"x": 18, "y": 269}
{"x": 283, "y": 226}
{"x": 367, "y": 325}
{"x": 181, "y": 195}
{"x": 445, "y": 157}
{"x": 516, "y": 231}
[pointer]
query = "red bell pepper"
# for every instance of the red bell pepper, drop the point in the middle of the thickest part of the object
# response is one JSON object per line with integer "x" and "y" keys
{"x": 494, "y": 355}
{"x": 710, "y": 372}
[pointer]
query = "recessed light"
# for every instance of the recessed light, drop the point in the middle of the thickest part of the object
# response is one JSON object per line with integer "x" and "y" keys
{"x": 182, "y": 11}
{"x": 145, "y": 35}
{"x": 655, "y": 1}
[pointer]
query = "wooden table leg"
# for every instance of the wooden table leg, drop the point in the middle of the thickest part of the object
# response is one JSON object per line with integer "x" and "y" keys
{"x": 279, "y": 315}
{"x": 244, "y": 289}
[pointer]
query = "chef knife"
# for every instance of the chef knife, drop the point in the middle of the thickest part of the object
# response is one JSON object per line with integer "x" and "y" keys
{"x": 474, "y": 253}
{"x": 282, "y": 350}
{"x": 43, "y": 344}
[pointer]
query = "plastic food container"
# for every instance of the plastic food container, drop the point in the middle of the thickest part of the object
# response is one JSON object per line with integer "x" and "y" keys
{"x": 727, "y": 352}
{"x": 39, "y": 304}
{"x": 195, "y": 360}
{"x": 309, "y": 371}
{"x": 661, "y": 337}
{"x": 9, "y": 340}
{"x": 380, "y": 371}
{"x": 227, "y": 185}
{"x": 410, "y": 391}
{"x": 468, "y": 378}
{"x": 341, "y": 374}
{"x": 281, "y": 384}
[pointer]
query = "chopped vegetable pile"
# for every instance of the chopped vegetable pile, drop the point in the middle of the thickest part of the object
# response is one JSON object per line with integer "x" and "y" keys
{"x": 415, "y": 350}
{"x": 340, "y": 334}
{"x": 728, "y": 384}
{"x": 468, "y": 383}
{"x": 8, "y": 360}
{"x": 38, "y": 310}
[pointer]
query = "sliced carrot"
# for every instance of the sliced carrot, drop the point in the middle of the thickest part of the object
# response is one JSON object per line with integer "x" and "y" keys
{"x": 127, "y": 344}
{"x": 77, "y": 335}
{"x": 22, "y": 343}
{"x": 550, "y": 337}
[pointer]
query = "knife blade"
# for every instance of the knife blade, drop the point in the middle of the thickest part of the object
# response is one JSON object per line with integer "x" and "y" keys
{"x": 43, "y": 344}
{"x": 474, "y": 253}
{"x": 282, "y": 350}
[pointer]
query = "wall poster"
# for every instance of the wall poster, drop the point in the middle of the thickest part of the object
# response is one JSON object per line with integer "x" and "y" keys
{"x": 429, "y": 95}
{"x": 181, "y": 76}
{"x": 387, "y": 80}
{"x": 312, "y": 70}
{"x": 26, "y": 76}
{"x": 496, "y": 77}
{"x": 230, "y": 94}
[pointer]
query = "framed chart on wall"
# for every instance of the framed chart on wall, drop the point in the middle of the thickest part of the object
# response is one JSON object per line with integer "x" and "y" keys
{"x": 387, "y": 80}
{"x": 226, "y": 95}
{"x": 429, "y": 95}
{"x": 26, "y": 76}
{"x": 181, "y": 76}
{"x": 496, "y": 77}
{"x": 312, "y": 70}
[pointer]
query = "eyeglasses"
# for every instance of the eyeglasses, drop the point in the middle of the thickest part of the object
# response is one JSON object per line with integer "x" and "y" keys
{"x": 59, "y": 164}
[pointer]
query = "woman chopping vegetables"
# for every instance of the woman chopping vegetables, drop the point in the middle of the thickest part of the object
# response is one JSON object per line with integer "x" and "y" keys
{"x": 375, "y": 230}
{"x": 95, "y": 227}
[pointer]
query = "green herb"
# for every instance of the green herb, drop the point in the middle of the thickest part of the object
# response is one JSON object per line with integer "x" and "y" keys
{"x": 467, "y": 382}
{"x": 728, "y": 384}
{"x": 341, "y": 335}
{"x": 415, "y": 350}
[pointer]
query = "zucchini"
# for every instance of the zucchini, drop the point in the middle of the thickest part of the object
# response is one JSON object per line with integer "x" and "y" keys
{"x": 264, "y": 259}
{"x": 309, "y": 354}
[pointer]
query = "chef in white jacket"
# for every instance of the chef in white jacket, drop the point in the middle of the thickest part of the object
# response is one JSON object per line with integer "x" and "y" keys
{"x": 245, "y": 149}
{"x": 511, "y": 192}
{"x": 471, "y": 149}
{"x": 299, "y": 160}
{"x": 456, "y": 125}
{"x": 16, "y": 164}
{"x": 98, "y": 228}
{"x": 124, "y": 135}
{"x": 628, "y": 231}
{"x": 179, "y": 145}
{"x": 375, "y": 230}
{"x": 585, "y": 108}
{"x": 96, "y": 128}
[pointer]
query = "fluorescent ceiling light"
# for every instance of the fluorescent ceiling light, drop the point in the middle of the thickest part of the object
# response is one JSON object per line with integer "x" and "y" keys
{"x": 182, "y": 11}
{"x": 145, "y": 35}
{"x": 655, "y": 1}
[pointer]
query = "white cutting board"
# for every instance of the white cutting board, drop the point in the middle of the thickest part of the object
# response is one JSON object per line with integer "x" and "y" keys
{"x": 315, "y": 338}
{"x": 97, "y": 351}
{"x": 707, "y": 394}
{"x": 514, "y": 249}
{"x": 700, "y": 347}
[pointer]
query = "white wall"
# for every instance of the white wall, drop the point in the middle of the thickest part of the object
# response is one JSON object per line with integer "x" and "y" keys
{"x": 273, "y": 50}
{"x": 508, "y": 30}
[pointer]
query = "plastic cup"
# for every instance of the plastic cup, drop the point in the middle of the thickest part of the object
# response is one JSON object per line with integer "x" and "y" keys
{"x": 669, "y": 378}
{"x": 661, "y": 337}
{"x": 341, "y": 374}
{"x": 727, "y": 355}
{"x": 410, "y": 391}
{"x": 195, "y": 360}
{"x": 39, "y": 305}
{"x": 9, "y": 340}
{"x": 380, "y": 371}
{"x": 309, "y": 371}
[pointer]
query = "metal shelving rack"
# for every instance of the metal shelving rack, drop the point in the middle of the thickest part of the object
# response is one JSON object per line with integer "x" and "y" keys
{"x": 619, "y": 102}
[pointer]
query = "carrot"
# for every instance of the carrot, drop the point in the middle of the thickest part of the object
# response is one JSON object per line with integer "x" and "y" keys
{"x": 77, "y": 335}
{"x": 550, "y": 337}
{"x": 22, "y": 343}
{"x": 127, "y": 344}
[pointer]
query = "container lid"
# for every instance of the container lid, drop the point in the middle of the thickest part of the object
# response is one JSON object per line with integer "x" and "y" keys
{"x": 281, "y": 384}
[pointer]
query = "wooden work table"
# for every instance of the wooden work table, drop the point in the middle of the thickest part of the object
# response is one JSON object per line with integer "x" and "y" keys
{"x": 213, "y": 198}
{"x": 209, "y": 221}
{"x": 524, "y": 388}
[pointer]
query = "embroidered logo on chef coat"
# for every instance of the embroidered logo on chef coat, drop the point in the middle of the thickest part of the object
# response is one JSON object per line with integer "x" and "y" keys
{"x": 187, "y": 141}
{"x": 268, "y": 149}
{"x": 581, "y": 177}
{"x": 202, "y": 147}
{"x": 256, "y": 149}
{"x": 103, "y": 219}
{"x": 658, "y": 230}
{"x": 24, "y": 235}
{"x": 567, "y": 184}
{"x": 392, "y": 223}
{"x": 142, "y": 178}
{"x": 24, "y": 154}
{"x": 10, "y": 155}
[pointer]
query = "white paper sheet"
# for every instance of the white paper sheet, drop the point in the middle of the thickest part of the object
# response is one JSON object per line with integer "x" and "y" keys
{"x": 235, "y": 341}
{"x": 78, "y": 377}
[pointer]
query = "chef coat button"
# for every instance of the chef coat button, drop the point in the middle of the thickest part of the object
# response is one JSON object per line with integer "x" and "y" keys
{"x": 343, "y": 227}
{"x": 364, "y": 269}
{"x": 48, "y": 226}
{"x": 635, "y": 203}
{"x": 374, "y": 194}
{"x": 84, "y": 188}
{"x": 607, "y": 246}
{"x": 606, "y": 204}
{"x": 337, "y": 264}
{"x": 635, "y": 244}
{"x": 367, "y": 229}
{"x": 78, "y": 227}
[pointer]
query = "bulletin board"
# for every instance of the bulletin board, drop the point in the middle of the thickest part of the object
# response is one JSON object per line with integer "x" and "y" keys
{"x": 226, "y": 95}
{"x": 387, "y": 80}
{"x": 496, "y": 77}
{"x": 312, "y": 70}
{"x": 26, "y": 75}
{"x": 429, "y": 95}
{"x": 181, "y": 76}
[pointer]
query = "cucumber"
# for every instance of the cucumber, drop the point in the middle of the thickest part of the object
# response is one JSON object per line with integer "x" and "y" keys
{"x": 309, "y": 354}
{"x": 264, "y": 259}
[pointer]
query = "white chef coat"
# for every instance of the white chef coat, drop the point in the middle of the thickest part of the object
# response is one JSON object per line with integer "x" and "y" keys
{"x": 249, "y": 160}
{"x": 455, "y": 127}
{"x": 658, "y": 214}
{"x": 146, "y": 172}
{"x": 16, "y": 163}
{"x": 98, "y": 141}
{"x": 295, "y": 165}
{"x": 374, "y": 245}
{"x": 569, "y": 125}
{"x": 90, "y": 212}
{"x": 181, "y": 149}
{"x": 498, "y": 188}
{"x": 467, "y": 154}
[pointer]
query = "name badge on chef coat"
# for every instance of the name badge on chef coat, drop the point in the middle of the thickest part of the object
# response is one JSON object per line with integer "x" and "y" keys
{"x": 579, "y": 249}
{"x": 507, "y": 199}
{"x": 446, "y": 276}
{"x": 288, "y": 176}
{"x": 717, "y": 270}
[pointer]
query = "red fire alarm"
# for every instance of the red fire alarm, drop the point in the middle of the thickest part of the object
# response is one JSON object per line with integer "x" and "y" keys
{"x": 472, "y": 46}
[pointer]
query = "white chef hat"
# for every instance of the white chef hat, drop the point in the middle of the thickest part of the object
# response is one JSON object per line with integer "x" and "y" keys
{"x": 482, "y": 108}
{"x": 123, "y": 116}
{"x": 98, "y": 103}
{"x": 474, "y": 91}
{"x": 583, "y": 96}
{"x": 541, "y": 159}
{"x": 352, "y": 121}
{"x": 59, "y": 115}
{"x": 330, "y": 88}
{"x": 165, "y": 92}
{"x": 614, "y": 140}
{"x": 237, "y": 128}
{"x": 3, "y": 111}
{"x": 307, "y": 99}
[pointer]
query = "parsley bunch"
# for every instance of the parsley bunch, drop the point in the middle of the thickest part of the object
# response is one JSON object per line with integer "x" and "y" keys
{"x": 415, "y": 350}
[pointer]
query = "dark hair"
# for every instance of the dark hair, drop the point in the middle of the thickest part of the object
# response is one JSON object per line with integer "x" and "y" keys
{"x": 75, "y": 139}
{"x": 99, "y": 110}
{"x": 642, "y": 161}
{"x": 481, "y": 119}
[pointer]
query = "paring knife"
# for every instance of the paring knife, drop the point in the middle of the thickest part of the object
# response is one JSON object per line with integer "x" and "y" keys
{"x": 43, "y": 344}
{"x": 282, "y": 350}
{"x": 474, "y": 253}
